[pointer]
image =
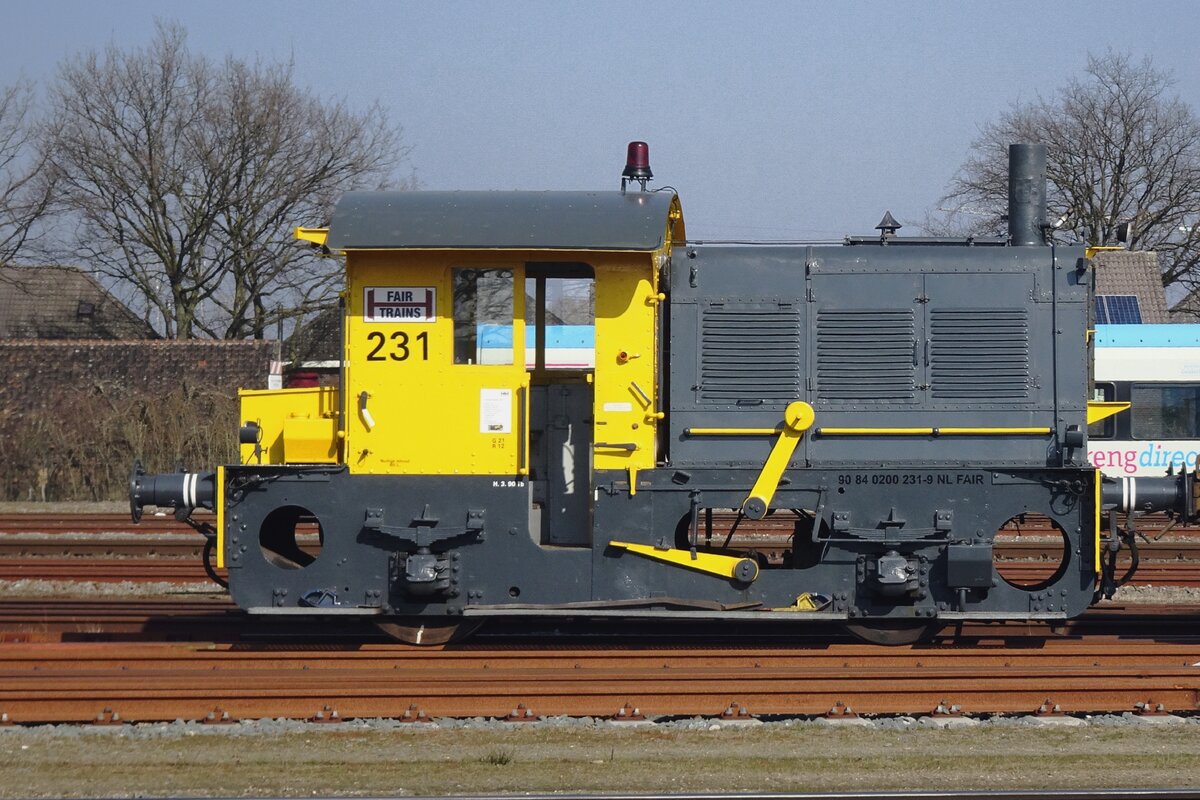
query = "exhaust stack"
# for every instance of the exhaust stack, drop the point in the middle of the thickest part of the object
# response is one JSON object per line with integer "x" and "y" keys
{"x": 1027, "y": 194}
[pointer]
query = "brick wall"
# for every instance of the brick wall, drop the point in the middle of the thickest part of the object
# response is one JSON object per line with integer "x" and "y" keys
{"x": 34, "y": 369}
{"x": 78, "y": 412}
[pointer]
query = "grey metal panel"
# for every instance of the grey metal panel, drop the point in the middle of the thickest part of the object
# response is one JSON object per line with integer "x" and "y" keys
{"x": 500, "y": 220}
{"x": 737, "y": 279}
{"x": 989, "y": 346}
{"x": 979, "y": 354}
{"x": 866, "y": 338}
{"x": 745, "y": 272}
{"x": 748, "y": 450}
{"x": 750, "y": 354}
{"x": 980, "y": 345}
{"x": 983, "y": 349}
{"x": 866, "y": 355}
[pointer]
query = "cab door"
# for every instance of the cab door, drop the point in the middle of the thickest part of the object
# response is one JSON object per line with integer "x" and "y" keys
{"x": 435, "y": 345}
{"x": 560, "y": 359}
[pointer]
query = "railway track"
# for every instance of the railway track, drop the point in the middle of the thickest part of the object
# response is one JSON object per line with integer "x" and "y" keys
{"x": 214, "y": 618}
{"x": 76, "y": 545}
{"x": 105, "y": 660}
{"x": 51, "y": 523}
{"x": 104, "y": 570}
{"x": 61, "y": 682}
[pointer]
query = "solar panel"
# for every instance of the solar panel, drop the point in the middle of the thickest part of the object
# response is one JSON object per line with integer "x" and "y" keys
{"x": 1123, "y": 309}
{"x": 1118, "y": 309}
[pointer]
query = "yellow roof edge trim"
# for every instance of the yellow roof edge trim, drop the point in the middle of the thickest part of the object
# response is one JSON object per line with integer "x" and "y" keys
{"x": 1101, "y": 248}
{"x": 677, "y": 233}
{"x": 316, "y": 236}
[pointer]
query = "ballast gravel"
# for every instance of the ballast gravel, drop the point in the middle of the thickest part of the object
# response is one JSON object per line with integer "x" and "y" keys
{"x": 273, "y": 727}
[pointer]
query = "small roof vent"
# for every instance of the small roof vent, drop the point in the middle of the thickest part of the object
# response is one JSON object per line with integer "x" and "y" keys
{"x": 888, "y": 226}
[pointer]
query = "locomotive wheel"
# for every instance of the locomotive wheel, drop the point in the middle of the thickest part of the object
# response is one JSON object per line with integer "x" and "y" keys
{"x": 894, "y": 633}
{"x": 428, "y": 632}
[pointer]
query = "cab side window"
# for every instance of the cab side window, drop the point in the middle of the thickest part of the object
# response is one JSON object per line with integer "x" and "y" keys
{"x": 483, "y": 316}
{"x": 561, "y": 314}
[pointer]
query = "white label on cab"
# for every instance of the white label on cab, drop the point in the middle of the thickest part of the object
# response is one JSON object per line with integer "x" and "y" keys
{"x": 618, "y": 406}
{"x": 495, "y": 411}
{"x": 399, "y": 304}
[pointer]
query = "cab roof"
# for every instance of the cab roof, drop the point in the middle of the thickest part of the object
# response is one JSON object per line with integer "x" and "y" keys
{"x": 500, "y": 220}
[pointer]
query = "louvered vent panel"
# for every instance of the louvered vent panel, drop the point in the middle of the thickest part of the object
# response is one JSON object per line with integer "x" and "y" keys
{"x": 866, "y": 355}
{"x": 750, "y": 354}
{"x": 979, "y": 354}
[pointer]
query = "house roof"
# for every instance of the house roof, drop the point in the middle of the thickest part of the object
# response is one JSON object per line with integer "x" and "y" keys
{"x": 1121, "y": 272}
{"x": 63, "y": 303}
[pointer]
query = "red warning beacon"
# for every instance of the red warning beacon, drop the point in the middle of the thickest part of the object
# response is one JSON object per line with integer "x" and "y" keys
{"x": 637, "y": 165}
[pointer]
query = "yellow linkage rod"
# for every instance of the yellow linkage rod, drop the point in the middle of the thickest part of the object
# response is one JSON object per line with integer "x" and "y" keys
{"x": 797, "y": 418}
{"x": 736, "y": 567}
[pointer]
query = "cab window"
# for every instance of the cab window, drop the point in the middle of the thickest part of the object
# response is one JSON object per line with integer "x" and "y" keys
{"x": 483, "y": 316}
{"x": 561, "y": 313}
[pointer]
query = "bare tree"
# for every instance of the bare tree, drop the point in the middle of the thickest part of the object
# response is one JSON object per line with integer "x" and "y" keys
{"x": 290, "y": 156}
{"x": 1121, "y": 148}
{"x": 187, "y": 177}
{"x": 135, "y": 163}
{"x": 26, "y": 192}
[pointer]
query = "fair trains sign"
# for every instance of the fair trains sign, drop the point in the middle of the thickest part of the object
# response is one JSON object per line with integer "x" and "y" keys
{"x": 399, "y": 304}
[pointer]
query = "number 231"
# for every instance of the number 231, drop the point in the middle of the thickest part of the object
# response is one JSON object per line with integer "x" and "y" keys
{"x": 400, "y": 346}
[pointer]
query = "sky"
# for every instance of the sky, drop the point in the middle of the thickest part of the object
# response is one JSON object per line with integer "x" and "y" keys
{"x": 773, "y": 120}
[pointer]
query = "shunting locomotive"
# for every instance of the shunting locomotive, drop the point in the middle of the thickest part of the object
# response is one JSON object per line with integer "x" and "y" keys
{"x": 556, "y": 404}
